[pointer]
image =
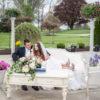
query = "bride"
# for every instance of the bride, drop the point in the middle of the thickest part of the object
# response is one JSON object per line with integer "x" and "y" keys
{"x": 50, "y": 63}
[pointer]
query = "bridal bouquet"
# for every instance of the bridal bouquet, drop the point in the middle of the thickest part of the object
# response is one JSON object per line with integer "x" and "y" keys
{"x": 24, "y": 65}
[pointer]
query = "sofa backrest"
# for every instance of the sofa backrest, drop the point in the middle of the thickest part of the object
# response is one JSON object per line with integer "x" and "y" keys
{"x": 62, "y": 56}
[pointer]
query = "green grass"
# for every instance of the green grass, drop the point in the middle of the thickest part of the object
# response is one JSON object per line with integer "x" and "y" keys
{"x": 64, "y": 39}
{"x": 74, "y": 32}
{"x": 5, "y": 40}
{"x": 47, "y": 40}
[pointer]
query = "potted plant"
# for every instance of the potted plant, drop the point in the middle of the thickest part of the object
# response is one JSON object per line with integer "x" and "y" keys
{"x": 91, "y": 10}
{"x": 94, "y": 61}
{"x": 3, "y": 67}
{"x": 96, "y": 48}
{"x": 73, "y": 47}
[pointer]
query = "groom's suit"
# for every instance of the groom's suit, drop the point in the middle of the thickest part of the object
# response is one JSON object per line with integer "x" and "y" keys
{"x": 20, "y": 52}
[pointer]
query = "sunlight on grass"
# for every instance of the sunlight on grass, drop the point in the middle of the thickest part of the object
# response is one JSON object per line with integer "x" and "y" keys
{"x": 74, "y": 32}
{"x": 5, "y": 40}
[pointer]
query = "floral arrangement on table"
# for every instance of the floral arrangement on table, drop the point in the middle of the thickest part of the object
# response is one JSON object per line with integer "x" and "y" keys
{"x": 24, "y": 65}
{"x": 18, "y": 43}
{"x": 95, "y": 60}
{"x": 4, "y": 65}
{"x": 91, "y": 10}
{"x": 27, "y": 66}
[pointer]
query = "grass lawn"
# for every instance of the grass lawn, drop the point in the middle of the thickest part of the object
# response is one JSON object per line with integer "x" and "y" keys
{"x": 74, "y": 32}
{"x": 5, "y": 40}
{"x": 47, "y": 40}
{"x": 64, "y": 39}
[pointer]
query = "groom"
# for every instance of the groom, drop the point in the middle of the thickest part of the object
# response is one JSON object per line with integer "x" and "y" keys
{"x": 24, "y": 52}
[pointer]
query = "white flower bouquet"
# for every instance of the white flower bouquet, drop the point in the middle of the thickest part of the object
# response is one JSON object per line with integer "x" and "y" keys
{"x": 24, "y": 65}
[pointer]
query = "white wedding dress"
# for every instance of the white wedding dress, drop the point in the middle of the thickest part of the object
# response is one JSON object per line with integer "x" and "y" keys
{"x": 75, "y": 78}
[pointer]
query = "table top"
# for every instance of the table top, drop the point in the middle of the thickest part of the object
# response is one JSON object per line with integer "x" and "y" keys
{"x": 49, "y": 73}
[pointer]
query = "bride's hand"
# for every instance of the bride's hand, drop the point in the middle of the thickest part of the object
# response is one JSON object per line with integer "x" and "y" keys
{"x": 46, "y": 58}
{"x": 32, "y": 55}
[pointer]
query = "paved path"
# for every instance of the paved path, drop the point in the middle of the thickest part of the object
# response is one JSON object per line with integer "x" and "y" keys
{"x": 75, "y": 34}
{"x": 46, "y": 95}
{"x": 43, "y": 94}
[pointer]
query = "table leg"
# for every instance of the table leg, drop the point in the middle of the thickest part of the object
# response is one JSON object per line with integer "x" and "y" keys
{"x": 8, "y": 91}
{"x": 64, "y": 93}
{"x": 17, "y": 87}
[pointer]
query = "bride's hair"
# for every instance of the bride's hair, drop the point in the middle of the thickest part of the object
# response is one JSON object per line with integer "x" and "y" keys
{"x": 39, "y": 52}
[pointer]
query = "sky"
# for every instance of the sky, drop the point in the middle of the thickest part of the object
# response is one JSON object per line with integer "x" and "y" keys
{"x": 47, "y": 3}
{"x": 91, "y": 1}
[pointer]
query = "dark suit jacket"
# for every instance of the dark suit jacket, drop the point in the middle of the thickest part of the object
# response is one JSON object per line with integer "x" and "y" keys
{"x": 20, "y": 52}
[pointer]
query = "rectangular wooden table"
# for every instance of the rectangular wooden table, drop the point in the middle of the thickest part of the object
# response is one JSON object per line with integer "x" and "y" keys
{"x": 49, "y": 78}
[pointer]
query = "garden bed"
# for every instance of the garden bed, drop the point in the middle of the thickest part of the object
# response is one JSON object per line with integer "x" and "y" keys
{"x": 79, "y": 49}
{"x": 5, "y": 51}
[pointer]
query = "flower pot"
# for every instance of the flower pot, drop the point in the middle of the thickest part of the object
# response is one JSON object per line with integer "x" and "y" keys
{"x": 2, "y": 75}
{"x": 96, "y": 48}
{"x": 73, "y": 49}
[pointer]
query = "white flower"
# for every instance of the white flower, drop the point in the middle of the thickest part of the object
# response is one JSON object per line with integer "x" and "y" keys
{"x": 22, "y": 59}
{"x": 33, "y": 59}
{"x": 25, "y": 69}
{"x": 32, "y": 65}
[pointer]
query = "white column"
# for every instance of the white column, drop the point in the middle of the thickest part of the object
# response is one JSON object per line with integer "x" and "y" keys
{"x": 25, "y": 1}
{"x": 92, "y": 24}
{"x": 12, "y": 34}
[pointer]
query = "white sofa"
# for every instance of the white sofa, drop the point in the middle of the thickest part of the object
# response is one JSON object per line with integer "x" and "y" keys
{"x": 62, "y": 56}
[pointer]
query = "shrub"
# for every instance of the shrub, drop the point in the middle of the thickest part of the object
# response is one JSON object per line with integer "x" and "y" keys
{"x": 60, "y": 45}
{"x": 97, "y": 32}
{"x": 81, "y": 45}
{"x": 27, "y": 31}
{"x": 22, "y": 19}
{"x": 12, "y": 12}
{"x": 4, "y": 25}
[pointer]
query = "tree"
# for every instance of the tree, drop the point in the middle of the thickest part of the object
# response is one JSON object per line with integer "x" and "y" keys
{"x": 97, "y": 32}
{"x": 68, "y": 11}
{"x": 27, "y": 10}
{"x": 27, "y": 31}
{"x": 51, "y": 22}
{"x": 37, "y": 7}
{"x": 35, "y": 4}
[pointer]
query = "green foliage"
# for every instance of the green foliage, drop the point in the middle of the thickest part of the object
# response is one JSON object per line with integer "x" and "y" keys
{"x": 81, "y": 45}
{"x": 22, "y": 19}
{"x": 91, "y": 10}
{"x": 27, "y": 31}
{"x": 97, "y": 32}
{"x": 4, "y": 26}
{"x": 61, "y": 45}
{"x": 27, "y": 10}
{"x": 51, "y": 22}
{"x": 12, "y": 12}
{"x": 88, "y": 11}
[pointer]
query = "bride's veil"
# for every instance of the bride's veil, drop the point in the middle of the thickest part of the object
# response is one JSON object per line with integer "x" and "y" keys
{"x": 43, "y": 49}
